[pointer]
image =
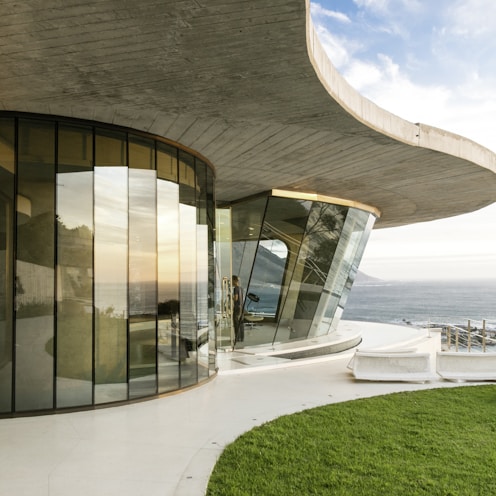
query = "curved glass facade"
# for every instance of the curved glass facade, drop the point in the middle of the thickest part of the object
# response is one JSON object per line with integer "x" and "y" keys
{"x": 107, "y": 268}
{"x": 106, "y": 265}
{"x": 297, "y": 259}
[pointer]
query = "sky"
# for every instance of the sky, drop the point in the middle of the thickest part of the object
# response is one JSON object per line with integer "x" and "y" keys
{"x": 432, "y": 62}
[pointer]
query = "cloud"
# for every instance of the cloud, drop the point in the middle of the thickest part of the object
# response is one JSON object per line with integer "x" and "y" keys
{"x": 429, "y": 62}
{"x": 384, "y": 83}
{"x": 338, "y": 49}
{"x": 319, "y": 11}
{"x": 472, "y": 19}
{"x": 465, "y": 106}
{"x": 390, "y": 8}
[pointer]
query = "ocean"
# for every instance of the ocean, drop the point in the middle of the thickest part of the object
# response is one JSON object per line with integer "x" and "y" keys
{"x": 424, "y": 302}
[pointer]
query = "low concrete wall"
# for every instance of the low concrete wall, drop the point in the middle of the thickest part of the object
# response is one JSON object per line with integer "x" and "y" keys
{"x": 405, "y": 366}
{"x": 465, "y": 366}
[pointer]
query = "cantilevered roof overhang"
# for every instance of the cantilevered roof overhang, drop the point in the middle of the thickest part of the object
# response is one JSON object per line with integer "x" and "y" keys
{"x": 245, "y": 83}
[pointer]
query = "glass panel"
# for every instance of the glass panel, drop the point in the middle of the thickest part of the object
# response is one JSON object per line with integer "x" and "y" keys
{"x": 280, "y": 240}
{"x": 187, "y": 179}
{"x": 202, "y": 302}
{"x": 339, "y": 271}
{"x": 187, "y": 292}
{"x": 167, "y": 162}
{"x": 319, "y": 243}
{"x": 35, "y": 266}
{"x": 202, "y": 271}
{"x": 168, "y": 285}
{"x": 141, "y": 153}
{"x": 358, "y": 242}
{"x": 246, "y": 227}
{"x": 6, "y": 260}
{"x": 142, "y": 282}
{"x": 223, "y": 251}
{"x": 111, "y": 265}
{"x": 267, "y": 277}
{"x": 74, "y": 267}
{"x": 110, "y": 148}
{"x": 212, "y": 338}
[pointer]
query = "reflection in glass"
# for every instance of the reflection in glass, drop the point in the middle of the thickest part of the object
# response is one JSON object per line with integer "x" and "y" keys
{"x": 361, "y": 228}
{"x": 318, "y": 246}
{"x": 168, "y": 285}
{"x": 212, "y": 362}
{"x": 281, "y": 235}
{"x": 303, "y": 264}
{"x": 142, "y": 282}
{"x": 6, "y": 260}
{"x": 223, "y": 310}
{"x": 202, "y": 299}
{"x": 187, "y": 295}
{"x": 111, "y": 265}
{"x": 141, "y": 153}
{"x": 106, "y": 265}
{"x": 188, "y": 188}
{"x": 202, "y": 271}
{"x": 35, "y": 266}
{"x": 110, "y": 148}
{"x": 167, "y": 162}
{"x": 246, "y": 227}
{"x": 339, "y": 271}
{"x": 74, "y": 267}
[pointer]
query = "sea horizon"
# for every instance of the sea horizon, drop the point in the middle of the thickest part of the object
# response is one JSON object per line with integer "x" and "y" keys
{"x": 423, "y": 302}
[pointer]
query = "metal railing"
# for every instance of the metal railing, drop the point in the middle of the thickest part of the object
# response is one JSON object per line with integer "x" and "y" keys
{"x": 477, "y": 335}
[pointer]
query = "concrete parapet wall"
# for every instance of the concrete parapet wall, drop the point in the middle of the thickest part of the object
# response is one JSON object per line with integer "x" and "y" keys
{"x": 393, "y": 366}
{"x": 466, "y": 366}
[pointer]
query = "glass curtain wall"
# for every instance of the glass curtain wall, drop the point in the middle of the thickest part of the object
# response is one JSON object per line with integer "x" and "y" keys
{"x": 316, "y": 253}
{"x": 168, "y": 267}
{"x": 35, "y": 266}
{"x": 202, "y": 271}
{"x": 188, "y": 287}
{"x": 223, "y": 274}
{"x": 297, "y": 257}
{"x": 210, "y": 207}
{"x": 142, "y": 268}
{"x": 7, "y": 205}
{"x": 106, "y": 265}
{"x": 111, "y": 266}
{"x": 360, "y": 231}
{"x": 75, "y": 229}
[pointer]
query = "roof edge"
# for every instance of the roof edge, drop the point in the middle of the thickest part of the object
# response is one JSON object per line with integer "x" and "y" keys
{"x": 383, "y": 121}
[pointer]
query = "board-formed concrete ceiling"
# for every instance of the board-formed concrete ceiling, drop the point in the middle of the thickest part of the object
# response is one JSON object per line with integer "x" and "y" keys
{"x": 245, "y": 83}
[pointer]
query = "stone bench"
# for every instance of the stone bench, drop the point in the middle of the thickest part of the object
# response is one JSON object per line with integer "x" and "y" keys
{"x": 465, "y": 366}
{"x": 405, "y": 366}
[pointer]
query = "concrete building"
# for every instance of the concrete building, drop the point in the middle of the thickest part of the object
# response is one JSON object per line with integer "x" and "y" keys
{"x": 151, "y": 150}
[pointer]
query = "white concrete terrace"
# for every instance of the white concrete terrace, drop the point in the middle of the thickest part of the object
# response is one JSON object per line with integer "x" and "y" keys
{"x": 168, "y": 446}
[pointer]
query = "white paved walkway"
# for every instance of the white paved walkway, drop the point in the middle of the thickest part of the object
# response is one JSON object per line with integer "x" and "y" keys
{"x": 169, "y": 446}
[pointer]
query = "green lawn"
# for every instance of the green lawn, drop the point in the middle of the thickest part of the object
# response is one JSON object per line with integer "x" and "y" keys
{"x": 432, "y": 442}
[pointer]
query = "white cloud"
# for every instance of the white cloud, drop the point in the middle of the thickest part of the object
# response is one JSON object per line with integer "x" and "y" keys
{"x": 337, "y": 48}
{"x": 472, "y": 18}
{"x": 319, "y": 11}
{"x": 385, "y": 84}
{"x": 468, "y": 109}
{"x": 376, "y": 5}
{"x": 436, "y": 67}
{"x": 389, "y": 7}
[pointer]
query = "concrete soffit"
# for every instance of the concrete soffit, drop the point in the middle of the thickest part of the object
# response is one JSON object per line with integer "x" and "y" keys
{"x": 247, "y": 85}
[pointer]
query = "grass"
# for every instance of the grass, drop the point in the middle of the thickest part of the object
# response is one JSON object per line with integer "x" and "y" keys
{"x": 432, "y": 442}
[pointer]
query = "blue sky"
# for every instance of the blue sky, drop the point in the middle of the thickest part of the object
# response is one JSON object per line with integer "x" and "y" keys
{"x": 433, "y": 62}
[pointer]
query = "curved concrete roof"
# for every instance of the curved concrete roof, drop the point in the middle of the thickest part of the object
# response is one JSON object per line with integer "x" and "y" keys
{"x": 246, "y": 84}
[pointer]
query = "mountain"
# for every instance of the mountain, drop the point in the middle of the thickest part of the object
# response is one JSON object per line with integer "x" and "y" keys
{"x": 363, "y": 279}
